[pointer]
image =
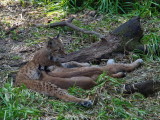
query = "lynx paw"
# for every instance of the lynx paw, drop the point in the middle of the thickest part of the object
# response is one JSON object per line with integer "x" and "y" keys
{"x": 85, "y": 64}
{"x": 139, "y": 61}
{"x": 87, "y": 103}
{"x": 110, "y": 61}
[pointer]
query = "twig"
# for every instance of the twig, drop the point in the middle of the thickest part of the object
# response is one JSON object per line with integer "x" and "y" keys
{"x": 69, "y": 24}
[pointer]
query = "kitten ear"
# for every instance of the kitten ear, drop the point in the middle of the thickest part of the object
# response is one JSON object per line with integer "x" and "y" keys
{"x": 57, "y": 36}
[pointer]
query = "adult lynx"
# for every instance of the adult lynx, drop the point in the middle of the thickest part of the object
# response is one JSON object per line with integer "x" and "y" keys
{"x": 31, "y": 76}
{"x": 36, "y": 76}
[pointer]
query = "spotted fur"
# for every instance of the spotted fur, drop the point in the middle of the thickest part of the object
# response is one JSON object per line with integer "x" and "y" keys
{"x": 34, "y": 79}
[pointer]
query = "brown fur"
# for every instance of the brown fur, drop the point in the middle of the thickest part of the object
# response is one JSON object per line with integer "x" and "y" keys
{"x": 49, "y": 55}
{"x": 34, "y": 79}
{"x": 53, "y": 83}
{"x": 115, "y": 70}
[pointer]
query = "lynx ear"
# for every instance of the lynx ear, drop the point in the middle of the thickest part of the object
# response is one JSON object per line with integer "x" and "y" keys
{"x": 57, "y": 36}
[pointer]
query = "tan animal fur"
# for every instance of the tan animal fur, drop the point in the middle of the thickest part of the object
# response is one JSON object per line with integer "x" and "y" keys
{"x": 53, "y": 83}
{"x": 34, "y": 79}
{"x": 114, "y": 70}
{"x": 49, "y": 55}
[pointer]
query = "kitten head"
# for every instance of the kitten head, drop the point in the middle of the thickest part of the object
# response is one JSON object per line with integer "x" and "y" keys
{"x": 56, "y": 45}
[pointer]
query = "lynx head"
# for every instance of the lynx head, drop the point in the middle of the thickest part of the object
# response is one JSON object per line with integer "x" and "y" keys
{"x": 56, "y": 45}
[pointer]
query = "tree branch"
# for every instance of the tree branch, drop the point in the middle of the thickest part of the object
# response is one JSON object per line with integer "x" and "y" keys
{"x": 127, "y": 36}
{"x": 146, "y": 88}
{"x": 69, "y": 24}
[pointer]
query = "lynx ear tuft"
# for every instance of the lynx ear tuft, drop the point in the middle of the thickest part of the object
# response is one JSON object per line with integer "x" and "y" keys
{"x": 57, "y": 36}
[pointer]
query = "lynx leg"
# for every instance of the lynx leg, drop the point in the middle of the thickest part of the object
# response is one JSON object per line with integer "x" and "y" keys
{"x": 118, "y": 75}
{"x": 65, "y": 83}
{"x": 74, "y": 64}
{"x": 52, "y": 90}
{"x": 132, "y": 66}
{"x": 73, "y": 72}
{"x": 117, "y": 67}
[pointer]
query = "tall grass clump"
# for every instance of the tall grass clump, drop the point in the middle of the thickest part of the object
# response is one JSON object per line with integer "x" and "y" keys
{"x": 151, "y": 47}
{"x": 152, "y": 44}
{"x": 17, "y": 103}
{"x": 142, "y": 7}
{"x": 114, "y": 6}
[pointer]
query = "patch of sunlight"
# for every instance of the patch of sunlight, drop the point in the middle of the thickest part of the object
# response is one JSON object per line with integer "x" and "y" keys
{"x": 5, "y": 2}
{"x": 57, "y": 14}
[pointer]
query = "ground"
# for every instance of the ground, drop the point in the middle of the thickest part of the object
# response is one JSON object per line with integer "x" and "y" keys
{"x": 20, "y": 45}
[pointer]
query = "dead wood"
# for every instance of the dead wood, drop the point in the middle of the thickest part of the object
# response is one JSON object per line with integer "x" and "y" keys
{"x": 146, "y": 88}
{"x": 125, "y": 38}
{"x": 69, "y": 24}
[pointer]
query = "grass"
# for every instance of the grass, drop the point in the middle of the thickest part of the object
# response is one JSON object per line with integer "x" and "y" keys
{"x": 21, "y": 103}
{"x": 17, "y": 102}
{"x": 16, "y": 57}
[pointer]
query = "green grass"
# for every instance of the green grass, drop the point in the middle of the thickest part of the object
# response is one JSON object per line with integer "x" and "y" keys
{"x": 19, "y": 102}
{"x": 142, "y": 8}
{"x": 16, "y": 57}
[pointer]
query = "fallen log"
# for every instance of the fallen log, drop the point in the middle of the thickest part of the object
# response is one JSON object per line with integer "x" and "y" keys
{"x": 146, "y": 88}
{"x": 125, "y": 38}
